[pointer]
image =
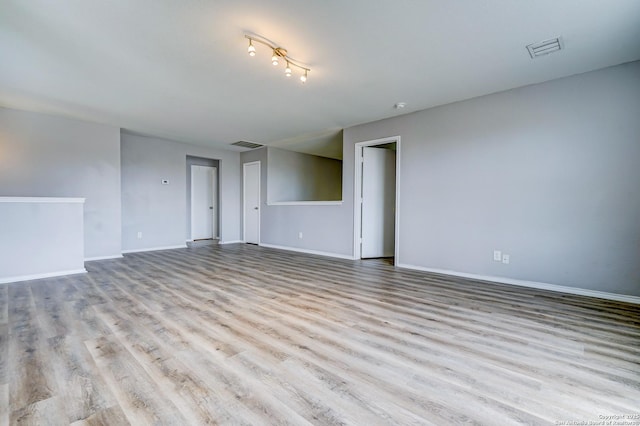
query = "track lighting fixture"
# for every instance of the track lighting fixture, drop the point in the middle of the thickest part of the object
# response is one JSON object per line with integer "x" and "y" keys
{"x": 278, "y": 54}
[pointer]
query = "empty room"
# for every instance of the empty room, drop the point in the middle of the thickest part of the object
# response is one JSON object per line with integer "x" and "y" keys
{"x": 319, "y": 213}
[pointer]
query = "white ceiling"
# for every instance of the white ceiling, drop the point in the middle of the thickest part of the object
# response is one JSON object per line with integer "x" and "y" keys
{"x": 180, "y": 69}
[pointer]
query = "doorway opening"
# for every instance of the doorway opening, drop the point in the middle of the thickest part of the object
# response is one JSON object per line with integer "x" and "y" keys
{"x": 376, "y": 199}
{"x": 203, "y": 206}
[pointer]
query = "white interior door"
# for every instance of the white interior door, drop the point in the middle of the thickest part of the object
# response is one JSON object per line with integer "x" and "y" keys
{"x": 203, "y": 197}
{"x": 251, "y": 202}
{"x": 378, "y": 202}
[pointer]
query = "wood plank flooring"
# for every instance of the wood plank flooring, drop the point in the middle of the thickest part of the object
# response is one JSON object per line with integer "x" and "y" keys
{"x": 240, "y": 334}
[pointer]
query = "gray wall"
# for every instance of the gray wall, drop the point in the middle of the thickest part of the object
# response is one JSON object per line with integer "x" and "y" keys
{"x": 547, "y": 173}
{"x": 325, "y": 228}
{"x": 160, "y": 211}
{"x": 294, "y": 176}
{"x": 48, "y": 156}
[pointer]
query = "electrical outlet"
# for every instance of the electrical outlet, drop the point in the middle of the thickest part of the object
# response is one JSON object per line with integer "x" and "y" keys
{"x": 300, "y": 235}
{"x": 497, "y": 255}
{"x": 505, "y": 259}
{"x": 139, "y": 235}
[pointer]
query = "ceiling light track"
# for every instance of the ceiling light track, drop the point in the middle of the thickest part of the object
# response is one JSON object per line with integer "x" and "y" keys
{"x": 278, "y": 54}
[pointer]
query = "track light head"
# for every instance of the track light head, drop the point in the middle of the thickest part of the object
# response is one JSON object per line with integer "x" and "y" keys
{"x": 278, "y": 54}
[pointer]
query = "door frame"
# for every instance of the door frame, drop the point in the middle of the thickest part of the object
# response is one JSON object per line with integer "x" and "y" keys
{"x": 244, "y": 198}
{"x": 214, "y": 200}
{"x": 357, "y": 196}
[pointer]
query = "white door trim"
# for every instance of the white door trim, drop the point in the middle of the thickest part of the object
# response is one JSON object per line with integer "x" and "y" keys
{"x": 244, "y": 197}
{"x": 215, "y": 214}
{"x": 357, "y": 194}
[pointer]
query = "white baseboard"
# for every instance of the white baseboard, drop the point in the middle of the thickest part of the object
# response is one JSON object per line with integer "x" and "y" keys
{"x": 531, "y": 284}
{"x": 231, "y": 242}
{"x": 90, "y": 259}
{"x": 155, "y": 249}
{"x": 301, "y": 250}
{"x": 40, "y": 276}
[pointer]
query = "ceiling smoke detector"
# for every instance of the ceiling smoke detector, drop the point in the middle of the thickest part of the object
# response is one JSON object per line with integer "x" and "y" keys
{"x": 545, "y": 47}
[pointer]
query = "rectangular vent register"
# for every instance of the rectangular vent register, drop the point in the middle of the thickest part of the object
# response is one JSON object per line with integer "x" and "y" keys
{"x": 545, "y": 47}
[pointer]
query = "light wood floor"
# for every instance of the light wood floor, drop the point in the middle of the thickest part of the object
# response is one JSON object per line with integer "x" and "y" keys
{"x": 240, "y": 334}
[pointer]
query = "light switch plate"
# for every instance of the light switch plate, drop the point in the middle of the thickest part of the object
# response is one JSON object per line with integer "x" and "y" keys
{"x": 505, "y": 259}
{"x": 497, "y": 255}
{"x": 165, "y": 181}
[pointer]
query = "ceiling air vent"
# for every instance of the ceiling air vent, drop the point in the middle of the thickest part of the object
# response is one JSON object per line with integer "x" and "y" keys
{"x": 545, "y": 47}
{"x": 245, "y": 144}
